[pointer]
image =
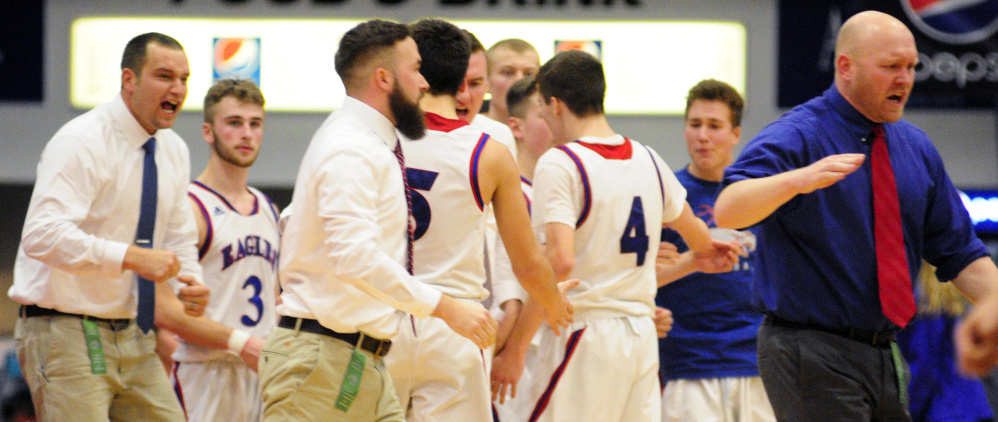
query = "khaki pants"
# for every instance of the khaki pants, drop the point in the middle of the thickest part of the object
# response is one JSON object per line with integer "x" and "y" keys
{"x": 56, "y": 364}
{"x": 301, "y": 374}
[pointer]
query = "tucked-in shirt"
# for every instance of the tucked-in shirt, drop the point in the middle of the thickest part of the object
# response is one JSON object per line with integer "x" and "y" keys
{"x": 616, "y": 198}
{"x": 344, "y": 247}
{"x": 84, "y": 213}
{"x": 714, "y": 329}
{"x": 816, "y": 262}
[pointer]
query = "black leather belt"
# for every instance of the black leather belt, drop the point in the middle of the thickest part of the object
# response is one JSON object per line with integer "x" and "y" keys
{"x": 876, "y": 338}
{"x": 377, "y": 347}
{"x": 114, "y": 324}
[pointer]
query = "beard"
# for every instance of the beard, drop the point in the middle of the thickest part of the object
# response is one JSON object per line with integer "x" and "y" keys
{"x": 409, "y": 119}
{"x": 229, "y": 156}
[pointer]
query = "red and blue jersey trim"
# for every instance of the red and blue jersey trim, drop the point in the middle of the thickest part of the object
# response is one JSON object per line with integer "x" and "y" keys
{"x": 473, "y": 171}
{"x": 661, "y": 185}
{"x": 440, "y": 123}
{"x": 256, "y": 201}
{"x": 587, "y": 191}
{"x": 542, "y": 402}
{"x": 525, "y": 196}
{"x": 207, "y": 220}
{"x": 611, "y": 152}
{"x": 273, "y": 208}
{"x": 178, "y": 390}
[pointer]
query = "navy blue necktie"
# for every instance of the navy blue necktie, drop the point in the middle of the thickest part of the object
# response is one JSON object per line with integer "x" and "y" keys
{"x": 143, "y": 236}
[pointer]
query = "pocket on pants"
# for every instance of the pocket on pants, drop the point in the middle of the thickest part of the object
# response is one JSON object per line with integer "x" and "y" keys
{"x": 286, "y": 361}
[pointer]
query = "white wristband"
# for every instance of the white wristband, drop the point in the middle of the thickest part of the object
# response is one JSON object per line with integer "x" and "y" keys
{"x": 237, "y": 340}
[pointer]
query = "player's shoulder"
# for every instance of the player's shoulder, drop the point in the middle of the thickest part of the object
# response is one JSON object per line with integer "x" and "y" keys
{"x": 497, "y": 130}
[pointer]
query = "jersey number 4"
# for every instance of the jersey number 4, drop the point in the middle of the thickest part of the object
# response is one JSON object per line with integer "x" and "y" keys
{"x": 420, "y": 180}
{"x": 635, "y": 239}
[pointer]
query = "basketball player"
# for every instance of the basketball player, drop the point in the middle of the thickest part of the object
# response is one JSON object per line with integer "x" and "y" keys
{"x": 533, "y": 138}
{"x": 601, "y": 200}
{"x": 470, "y": 98}
{"x": 509, "y": 60}
{"x": 454, "y": 171}
{"x": 238, "y": 246}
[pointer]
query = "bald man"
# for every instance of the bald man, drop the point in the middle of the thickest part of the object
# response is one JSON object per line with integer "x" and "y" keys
{"x": 848, "y": 199}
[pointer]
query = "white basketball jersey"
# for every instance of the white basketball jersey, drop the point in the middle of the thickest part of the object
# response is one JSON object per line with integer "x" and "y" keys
{"x": 448, "y": 209}
{"x": 239, "y": 257}
{"x": 616, "y": 193}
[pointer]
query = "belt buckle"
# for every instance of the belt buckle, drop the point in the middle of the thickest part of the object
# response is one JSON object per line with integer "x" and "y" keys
{"x": 381, "y": 350}
{"x": 118, "y": 324}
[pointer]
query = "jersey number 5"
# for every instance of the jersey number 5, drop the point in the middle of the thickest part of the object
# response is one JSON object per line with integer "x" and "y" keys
{"x": 420, "y": 180}
{"x": 634, "y": 238}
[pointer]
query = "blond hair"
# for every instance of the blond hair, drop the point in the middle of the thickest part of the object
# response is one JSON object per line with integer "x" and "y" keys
{"x": 938, "y": 297}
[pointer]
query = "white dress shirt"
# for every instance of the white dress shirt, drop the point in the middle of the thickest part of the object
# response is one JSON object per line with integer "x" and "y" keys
{"x": 344, "y": 247}
{"x": 84, "y": 213}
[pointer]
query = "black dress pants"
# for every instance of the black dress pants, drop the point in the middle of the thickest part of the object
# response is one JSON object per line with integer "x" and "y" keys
{"x": 813, "y": 375}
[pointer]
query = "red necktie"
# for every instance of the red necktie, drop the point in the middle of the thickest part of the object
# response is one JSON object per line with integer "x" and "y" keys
{"x": 896, "y": 297}
{"x": 408, "y": 203}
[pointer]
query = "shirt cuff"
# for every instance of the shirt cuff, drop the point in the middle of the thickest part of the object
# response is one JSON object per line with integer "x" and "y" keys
{"x": 427, "y": 300}
{"x": 114, "y": 257}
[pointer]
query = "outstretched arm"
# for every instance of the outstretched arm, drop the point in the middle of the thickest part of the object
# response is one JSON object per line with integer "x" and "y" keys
{"x": 977, "y": 336}
{"x": 750, "y": 201}
{"x": 502, "y": 180}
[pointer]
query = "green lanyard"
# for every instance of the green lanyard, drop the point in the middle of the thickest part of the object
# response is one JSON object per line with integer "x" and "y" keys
{"x": 899, "y": 368}
{"x": 351, "y": 380}
{"x": 98, "y": 366}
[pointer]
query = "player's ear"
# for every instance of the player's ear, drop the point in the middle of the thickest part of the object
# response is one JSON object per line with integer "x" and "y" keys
{"x": 207, "y": 133}
{"x": 515, "y": 126}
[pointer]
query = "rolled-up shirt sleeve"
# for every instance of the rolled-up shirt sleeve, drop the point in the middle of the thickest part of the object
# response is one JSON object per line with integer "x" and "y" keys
{"x": 181, "y": 234}
{"x": 70, "y": 174}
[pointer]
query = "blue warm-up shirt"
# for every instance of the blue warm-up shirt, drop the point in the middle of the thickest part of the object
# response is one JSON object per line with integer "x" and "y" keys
{"x": 714, "y": 329}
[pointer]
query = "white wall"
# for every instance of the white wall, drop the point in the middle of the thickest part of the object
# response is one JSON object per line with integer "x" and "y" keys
{"x": 966, "y": 139}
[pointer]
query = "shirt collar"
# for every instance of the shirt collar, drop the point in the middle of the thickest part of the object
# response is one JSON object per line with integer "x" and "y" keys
{"x": 371, "y": 118}
{"x": 134, "y": 133}
{"x": 612, "y": 140}
{"x": 849, "y": 113}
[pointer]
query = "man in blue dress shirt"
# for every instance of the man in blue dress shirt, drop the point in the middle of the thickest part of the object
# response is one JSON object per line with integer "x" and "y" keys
{"x": 826, "y": 348}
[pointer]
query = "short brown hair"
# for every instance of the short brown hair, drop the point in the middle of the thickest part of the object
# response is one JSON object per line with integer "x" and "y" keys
{"x": 476, "y": 45}
{"x": 514, "y": 44}
{"x": 134, "y": 57}
{"x": 243, "y": 90}
{"x": 518, "y": 95}
{"x": 715, "y": 90}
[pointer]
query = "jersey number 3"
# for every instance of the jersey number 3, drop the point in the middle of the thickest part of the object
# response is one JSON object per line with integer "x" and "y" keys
{"x": 634, "y": 239}
{"x": 256, "y": 301}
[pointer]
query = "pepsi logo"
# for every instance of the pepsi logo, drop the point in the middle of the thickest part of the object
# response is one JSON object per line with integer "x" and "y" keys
{"x": 237, "y": 58}
{"x": 954, "y": 21}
